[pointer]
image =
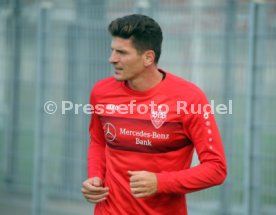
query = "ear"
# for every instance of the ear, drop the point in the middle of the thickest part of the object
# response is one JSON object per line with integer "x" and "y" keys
{"x": 149, "y": 57}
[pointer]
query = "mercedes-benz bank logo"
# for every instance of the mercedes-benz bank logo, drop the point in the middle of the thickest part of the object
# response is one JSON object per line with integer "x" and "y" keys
{"x": 109, "y": 132}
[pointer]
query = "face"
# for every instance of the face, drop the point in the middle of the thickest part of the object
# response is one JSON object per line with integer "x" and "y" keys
{"x": 127, "y": 62}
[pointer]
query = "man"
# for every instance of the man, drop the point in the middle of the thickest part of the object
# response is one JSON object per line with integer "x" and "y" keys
{"x": 145, "y": 126}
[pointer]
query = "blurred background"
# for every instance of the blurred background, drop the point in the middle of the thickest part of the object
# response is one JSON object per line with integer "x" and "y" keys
{"x": 56, "y": 50}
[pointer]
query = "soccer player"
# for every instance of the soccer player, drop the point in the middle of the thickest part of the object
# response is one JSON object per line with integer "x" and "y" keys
{"x": 145, "y": 126}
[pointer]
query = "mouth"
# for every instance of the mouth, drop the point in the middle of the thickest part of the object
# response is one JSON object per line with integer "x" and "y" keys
{"x": 118, "y": 70}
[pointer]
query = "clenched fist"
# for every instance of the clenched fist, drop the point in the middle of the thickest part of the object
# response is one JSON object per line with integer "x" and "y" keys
{"x": 142, "y": 183}
{"x": 93, "y": 190}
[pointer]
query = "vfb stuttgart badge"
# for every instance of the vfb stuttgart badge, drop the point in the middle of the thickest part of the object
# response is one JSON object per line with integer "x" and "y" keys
{"x": 158, "y": 117}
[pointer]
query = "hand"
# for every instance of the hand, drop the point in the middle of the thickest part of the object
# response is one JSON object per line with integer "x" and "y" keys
{"x": 93, "y": 190}
{"x": 142, "y": 183}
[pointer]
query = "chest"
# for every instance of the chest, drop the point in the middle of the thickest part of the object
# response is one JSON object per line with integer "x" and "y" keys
{"x": 150, "y": 126}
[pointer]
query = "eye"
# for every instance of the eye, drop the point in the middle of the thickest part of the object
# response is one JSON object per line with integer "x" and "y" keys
{"x": 121, "y": 51}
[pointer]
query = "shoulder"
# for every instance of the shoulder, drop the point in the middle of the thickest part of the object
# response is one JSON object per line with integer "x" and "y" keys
{"x": 106, "y": 82}
{"x": 184, "y": 88}
{"x": 105, "y": 86}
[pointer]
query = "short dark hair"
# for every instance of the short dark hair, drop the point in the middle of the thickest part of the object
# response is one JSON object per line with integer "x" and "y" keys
{"x": 144, "y": 31}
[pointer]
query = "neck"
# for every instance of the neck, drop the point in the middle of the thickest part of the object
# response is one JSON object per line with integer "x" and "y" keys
{"x": 147, "y": 80}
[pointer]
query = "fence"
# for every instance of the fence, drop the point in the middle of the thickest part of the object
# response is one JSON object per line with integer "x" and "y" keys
{"x": 56, "y": 51}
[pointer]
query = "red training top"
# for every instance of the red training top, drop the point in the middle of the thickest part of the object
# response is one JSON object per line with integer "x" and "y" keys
{"x": 155, "y": 131}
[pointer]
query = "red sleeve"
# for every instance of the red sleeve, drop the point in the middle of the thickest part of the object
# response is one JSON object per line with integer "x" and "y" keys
{"x": 204, "y": 134}
{"x": 96, "y": 150}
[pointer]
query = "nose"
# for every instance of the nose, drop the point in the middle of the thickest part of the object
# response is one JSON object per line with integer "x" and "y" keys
{"x": 113, "y": 58}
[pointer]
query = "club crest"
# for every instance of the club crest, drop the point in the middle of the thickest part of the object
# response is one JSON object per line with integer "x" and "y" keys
{"x": 158, "y": 118}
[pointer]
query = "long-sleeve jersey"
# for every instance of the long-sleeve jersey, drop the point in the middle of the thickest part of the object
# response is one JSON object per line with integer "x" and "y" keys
{"x": 156, "y": 131}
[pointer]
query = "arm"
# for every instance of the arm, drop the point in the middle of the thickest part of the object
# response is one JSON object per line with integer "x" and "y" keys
{"x": 92, "y": 188}
{"x": 203, "y": 132}
{"x": 96, "y": 150}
